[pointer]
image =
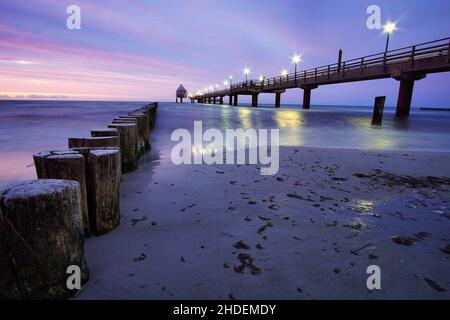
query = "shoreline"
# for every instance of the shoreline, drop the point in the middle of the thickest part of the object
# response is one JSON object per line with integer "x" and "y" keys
{"x": 301, "y": 227}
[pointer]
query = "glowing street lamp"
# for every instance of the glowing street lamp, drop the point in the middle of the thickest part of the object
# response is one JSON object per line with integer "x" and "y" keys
{"x": 284, "y": 72}
{"x": 246, "y": 72}
{"x": 261, "y": 78}
{"x": 296, "y": 59}
{"x": 389, "y": 28}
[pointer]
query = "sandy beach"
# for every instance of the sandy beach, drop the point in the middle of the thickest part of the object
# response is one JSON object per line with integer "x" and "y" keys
{"x": 309, "y": 232}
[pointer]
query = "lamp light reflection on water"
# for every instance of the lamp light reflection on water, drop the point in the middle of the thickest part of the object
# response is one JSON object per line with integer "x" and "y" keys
{"x": 290, "y": 123}
{"x": 289, "y": 118}
{"x": 374, "y": 137}
{"x": 245, "y": 118}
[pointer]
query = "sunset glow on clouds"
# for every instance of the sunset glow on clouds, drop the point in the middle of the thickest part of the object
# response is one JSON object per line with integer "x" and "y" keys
{"x": 142, "y": 50}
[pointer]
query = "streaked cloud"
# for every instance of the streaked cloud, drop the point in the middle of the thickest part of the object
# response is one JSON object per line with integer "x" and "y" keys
{"x": 142, "y": 50}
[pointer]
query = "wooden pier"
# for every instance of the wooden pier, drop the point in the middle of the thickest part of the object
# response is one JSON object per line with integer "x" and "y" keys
{"x": 405, "y": 65}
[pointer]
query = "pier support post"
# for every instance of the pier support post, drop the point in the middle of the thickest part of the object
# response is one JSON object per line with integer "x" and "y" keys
{"x": 41, "y": 235}
{"x": 220, "y": 100}
{"x": 307, "y": 95}
{"x": 405, "y": 92}
{"x": 235, "y": 103}
{"x": 306, "y": 98}
{"x": 254, "y": 100}
{"x": 277, "y": 99}
{"x": 230, "y": 100}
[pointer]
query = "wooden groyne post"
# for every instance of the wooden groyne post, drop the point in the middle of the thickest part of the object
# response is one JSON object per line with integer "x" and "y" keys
{"x": 104, "y": 132}
{"x": 65, "y": 165}
{"x": 104, "y": 174}
{"x": 43, "y": 222}
{"x": 94, "y": 142}
{"x": 41, "y": 235}
{"x": 128, "y": 136}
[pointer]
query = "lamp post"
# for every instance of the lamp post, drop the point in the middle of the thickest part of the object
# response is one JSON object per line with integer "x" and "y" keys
{"x": 261, "y": 80}
{"x": 246, "y": 73}
{"x": 296, "y": 59}
{"x": 284, "y": 73}
{"x": 388, "y": 28}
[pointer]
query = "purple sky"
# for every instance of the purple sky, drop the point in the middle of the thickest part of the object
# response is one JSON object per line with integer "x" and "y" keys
{"x": 142, "y": 50}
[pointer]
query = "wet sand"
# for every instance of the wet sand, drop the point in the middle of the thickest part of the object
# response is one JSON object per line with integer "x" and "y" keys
{"x": 310, "y": 232}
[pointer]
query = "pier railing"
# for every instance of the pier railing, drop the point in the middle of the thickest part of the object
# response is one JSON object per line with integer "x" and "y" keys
{"x": 409, "y": 54}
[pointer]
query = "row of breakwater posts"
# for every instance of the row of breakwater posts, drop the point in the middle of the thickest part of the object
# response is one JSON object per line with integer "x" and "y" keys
{"x": 44, "y": 222}
{"x": 406, "y": 65}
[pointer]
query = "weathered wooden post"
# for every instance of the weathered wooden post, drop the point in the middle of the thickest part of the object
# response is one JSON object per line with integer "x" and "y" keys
{"x": 104, "y": 132}
{"x": 41, "y": 235}
{"x": 151, "y": 118}
{"x": 102, "y": 180}
{"x": 65, "y": 165}
{"x": 94, "y": 142}
{"x": 378, "y": 108}
{"x": 128, "y": 137}
{"x": 140, "y": 141}
{"x": 152, "y": 114}
{"x": 144, "y": 127}
{"x": 104, "y": 175}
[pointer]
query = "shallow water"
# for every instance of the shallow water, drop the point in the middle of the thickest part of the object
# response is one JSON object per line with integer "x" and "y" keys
{"x": 27, "y": 127}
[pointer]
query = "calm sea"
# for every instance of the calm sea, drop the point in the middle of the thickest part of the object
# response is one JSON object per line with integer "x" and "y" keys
{"x": 27, "y": 127}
